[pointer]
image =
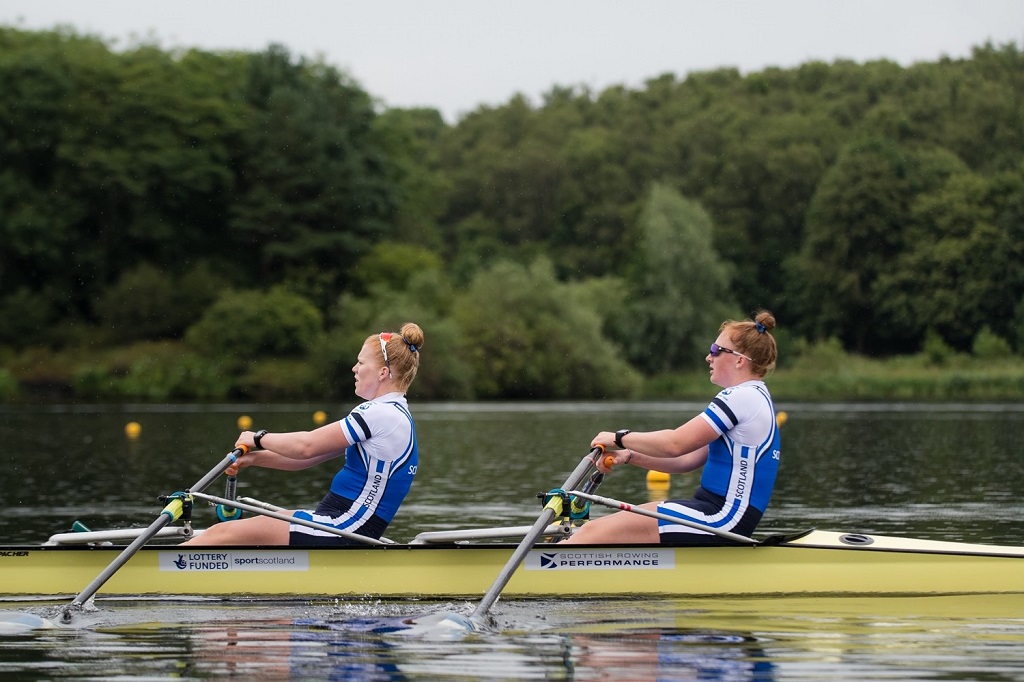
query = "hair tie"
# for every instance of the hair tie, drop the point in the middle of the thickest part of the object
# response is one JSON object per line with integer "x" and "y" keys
{"x": 759, "y": 327}
{"x": 412, "y": 346}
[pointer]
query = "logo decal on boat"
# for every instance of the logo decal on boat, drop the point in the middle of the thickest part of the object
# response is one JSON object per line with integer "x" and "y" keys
{"x": 206, "y": 561}
{"x": 598, "y": 560}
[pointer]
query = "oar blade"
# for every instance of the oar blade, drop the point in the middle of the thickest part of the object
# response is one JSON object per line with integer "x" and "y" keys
{"x": 17, "y": 622}
{"x": 443, "y": 624}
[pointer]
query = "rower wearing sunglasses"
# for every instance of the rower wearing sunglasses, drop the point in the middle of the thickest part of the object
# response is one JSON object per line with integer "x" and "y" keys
{"x": 735, "y": 439}
{"x": 377, "y": 439}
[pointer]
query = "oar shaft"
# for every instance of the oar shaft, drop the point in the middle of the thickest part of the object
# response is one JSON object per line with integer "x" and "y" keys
{"x": 530, "y": 540}
{"x": 121, "y": 559}
{"x": 204, "y": 483}
{"x": 513, "y": 563}
{"x": 128, "y": 552}
{"x": 625, "y": 506}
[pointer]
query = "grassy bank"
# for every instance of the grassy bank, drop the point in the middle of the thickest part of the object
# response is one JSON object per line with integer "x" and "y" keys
{"x": 852, "y": 378}
{"x": 163, "y": 371}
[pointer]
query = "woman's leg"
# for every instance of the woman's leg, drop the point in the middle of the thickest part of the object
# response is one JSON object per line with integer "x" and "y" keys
{"x": 255, "y": 530}
{"x": 619, "y": 528}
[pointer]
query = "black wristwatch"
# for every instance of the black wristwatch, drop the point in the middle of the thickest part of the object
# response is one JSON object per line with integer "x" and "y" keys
{"x": 618, "y": 437}
{"x": 256, "y": 438}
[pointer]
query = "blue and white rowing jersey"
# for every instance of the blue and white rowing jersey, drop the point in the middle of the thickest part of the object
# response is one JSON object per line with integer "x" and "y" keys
{"x": 742, "y": 463}
{"x": 380, "y": 464}
{"x": 382, "y": 459}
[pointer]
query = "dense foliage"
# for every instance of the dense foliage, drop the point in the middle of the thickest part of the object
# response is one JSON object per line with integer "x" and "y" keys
{"x": 248, "y": 218}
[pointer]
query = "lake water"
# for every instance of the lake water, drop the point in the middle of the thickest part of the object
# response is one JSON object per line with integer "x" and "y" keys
{"x": 951, "y": 472}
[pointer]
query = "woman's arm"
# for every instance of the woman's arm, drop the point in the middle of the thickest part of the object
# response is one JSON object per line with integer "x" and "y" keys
{"x": 294, "y": 450}
{"x": 301, "y": 444}
{"x": 670, "y": 450}
{"x": 268, "y": 459}
{"x": 692, "y": 460}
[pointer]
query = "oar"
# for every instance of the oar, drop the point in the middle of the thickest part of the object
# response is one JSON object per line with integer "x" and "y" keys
{"x": 169, "y": 514}
{"x": 624, "y": 506}
{"x": 554, "y": 505}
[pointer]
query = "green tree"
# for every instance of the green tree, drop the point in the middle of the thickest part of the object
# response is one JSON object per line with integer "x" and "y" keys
{"x": 244, "y": 325}
{"x": 424, "y": 297}
{"x": 393, "y": 265}
{"x": 414, "y": 140}
{"x": 855, "y": 233}
{"x": 852, "y": 199}
{"x": 127, "y": 161}
{"x": 148, "y": 303}
{"x": 313, "y": 177}
{"x": 526, "y": 336}
{"x": 959, "y": 271}
{"x": 678, "y": 286}
{"x": 761, "y": 193}
{"x": 27, "y": 316}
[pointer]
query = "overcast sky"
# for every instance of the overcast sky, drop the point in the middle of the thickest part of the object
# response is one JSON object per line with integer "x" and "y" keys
{"x": 455, "y": 55}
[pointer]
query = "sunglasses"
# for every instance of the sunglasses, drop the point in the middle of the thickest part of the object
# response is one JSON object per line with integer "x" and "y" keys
{"x": 716, "y": 350}
{"x": 384, "y": 337}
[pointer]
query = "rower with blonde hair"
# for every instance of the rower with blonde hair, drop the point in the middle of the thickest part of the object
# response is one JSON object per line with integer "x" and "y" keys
{"x": 377, "y": 439}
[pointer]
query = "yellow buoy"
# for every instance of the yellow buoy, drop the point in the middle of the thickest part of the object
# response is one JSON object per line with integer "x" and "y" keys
{"x": 132, "y": 429}
{"x": 658, "y": 478}
{"x": 658, "y": 484}
{"x": 781, "y": 418}
{"x": 245, "y": 422}
{"x": 319, "y": 417}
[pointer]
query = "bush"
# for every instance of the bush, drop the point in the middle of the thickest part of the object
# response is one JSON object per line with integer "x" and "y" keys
{"x": 936, "y": 350}
{"x": 989, "y": 345}
{"x": 251, "y": 324}
{"x": 149, "y": 304}
{"x": 280, "y": 379}
{"x": 8, "y": 385}
{"x": 161, "y": 375}
{"x": 189, "y": 377}
{"x": 823, "y": 356}
{"x": 443, "y": 375}
{"x": 526, "y": 335}
{"x": 27, "y": 317}
{"x": 138, "y": 306}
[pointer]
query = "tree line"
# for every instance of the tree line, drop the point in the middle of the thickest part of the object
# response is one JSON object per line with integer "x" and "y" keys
{"x": 245, "y": 219}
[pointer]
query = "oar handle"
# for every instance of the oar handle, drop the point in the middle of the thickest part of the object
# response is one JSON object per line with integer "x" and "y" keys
{"x": 229, "y": 461}
{"x": 595, "y": 454}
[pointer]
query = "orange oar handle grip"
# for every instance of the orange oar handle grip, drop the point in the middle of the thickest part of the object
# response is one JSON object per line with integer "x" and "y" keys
{"x": 232, "y": 469}
{"x": 608, "y": 460}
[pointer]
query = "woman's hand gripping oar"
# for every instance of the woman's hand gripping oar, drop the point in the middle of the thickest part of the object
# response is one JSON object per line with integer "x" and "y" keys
{"x": 172, "y": 512}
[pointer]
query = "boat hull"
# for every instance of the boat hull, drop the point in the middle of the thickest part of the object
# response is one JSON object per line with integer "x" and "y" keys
{"x": 818, "y": 563}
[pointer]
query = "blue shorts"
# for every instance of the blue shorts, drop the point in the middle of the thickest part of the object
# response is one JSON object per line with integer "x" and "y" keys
{"x": 707, "y": 503}
{"x": 331, "y": 512}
